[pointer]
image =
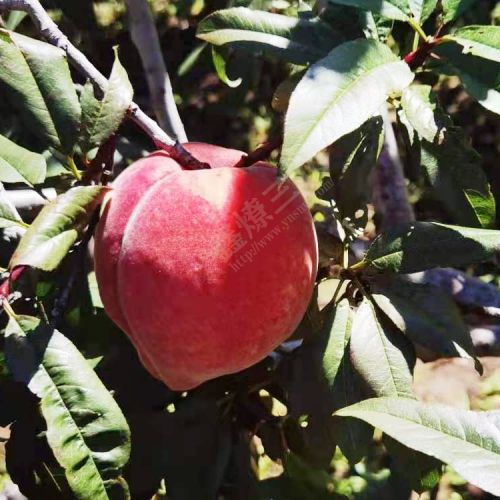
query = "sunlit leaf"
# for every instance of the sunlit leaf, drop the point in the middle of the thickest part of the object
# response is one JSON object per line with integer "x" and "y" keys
{"x": 101, "y": 118}
{"x": 342, "y": 91}
{"x": 294, "y": 40}
{"x": 392, "y": 9}
{"x": 482, "y": 41}
{"x": 56, "y": 228}
{"x": 85, "y": 427}
{"x": 466, "y": 440}
{"x": 37, "y": 78}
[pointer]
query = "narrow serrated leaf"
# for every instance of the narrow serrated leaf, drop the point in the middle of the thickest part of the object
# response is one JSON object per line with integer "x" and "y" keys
{"x": 380, "y": 354}
{"x": 101, "y": 118}
{"x": 294, "y": 40}
{"x": 38, "y": 79}
{"x": 418, "y": 246}
{"x": 220, "y": 63}
{"x": 56, "y": 228}
{"x": 466, "y": 440}
{"x": 17, "y": 164}
{"x": 342, "y": 91}
{"x": 86, "y": 429}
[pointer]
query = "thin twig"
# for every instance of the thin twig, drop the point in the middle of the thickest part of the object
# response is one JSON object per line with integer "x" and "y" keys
{"x": 262, "y": 152}
{"x": 55, "y": 36}
{"x": 145, "y": 37}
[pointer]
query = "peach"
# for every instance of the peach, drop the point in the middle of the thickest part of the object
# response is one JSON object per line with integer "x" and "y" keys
{"x": 207, "y": 271}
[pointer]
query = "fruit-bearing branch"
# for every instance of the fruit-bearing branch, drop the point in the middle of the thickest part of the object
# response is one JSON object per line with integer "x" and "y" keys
{"x": 51, "y": 32}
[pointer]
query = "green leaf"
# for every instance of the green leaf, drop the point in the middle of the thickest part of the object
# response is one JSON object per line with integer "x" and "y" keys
{"x": 40, "y": 86}
{"x": 420, "y": 106}
{"x": 351, "y": 159}
{"x": 391, "y": 9}
{"x": 101, "y": 118}
{"x": 422, "y": 9}
{"x": 453, "y": 8}
{"x": 15, "y": 18}
{"x": 427, "y": 316}
{"x": 294, "y": 40}
{"x": 418, "y": 246}
{"x": 421, "y": 471}
{"x": 380, "y": 354}
{"x": 466, "y": 440}
{"x": 20, "y": 165}
{"x": 56, "y": 228}
{"x": 85, "y": 427}
{"x": 8, "y": 214}
{"x": 342, "y": 91}
{"x": 453, "y": 168}
{"x": 480, "y": 77}
{"x": 319, "y": 378}
{"x": 219, "y": 60}
{"x": 482, "y": 41}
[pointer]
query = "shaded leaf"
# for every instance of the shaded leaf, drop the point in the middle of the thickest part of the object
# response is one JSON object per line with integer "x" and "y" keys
{"x": 418, "y": 246}
{"x": 422, "y": 9}
{"x": 101, "y": 118}
{"x": 452, "y": 166}
{"x": 56, "y": 228}
{"x": 482, "y": 41}
{"x": 422, "y": 472}
{"x": 219, "y": 60}
{"x": 351, "y": 159}
{"x": 294, "y": 40}
{"x": 343, "y": 90}
{"x": 38, "y": 78}
{"x": 14, "y": 19}
{"x": 380, "y": 354}
{"x": 480, "y": 77}
{"x": 17, "y": 164}
{"x": 392, "y": 9}
{"x": 453, "y": 8}
{"x": 466, "y": 440}
{"x": 428, "y": 316}
{"x": 8, "y": 214}
{"x": 282, "y": 94}
{"x": 85, "y": 427}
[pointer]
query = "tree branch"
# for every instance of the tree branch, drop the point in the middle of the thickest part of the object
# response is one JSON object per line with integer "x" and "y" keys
{"x": 390, "y": 195}
{"x": 55, "y": 36}
{"x": 145, "y": 37}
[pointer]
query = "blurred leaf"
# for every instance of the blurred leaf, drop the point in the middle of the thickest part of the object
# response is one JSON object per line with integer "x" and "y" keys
{"x": 282, "y": 94}
{"x": 40, "y": 85}
{"x": 422, "y": 9}
{"x": 452, "y": 166}
{"x": 191, "y": 59}
{"x": 14, "y": 19}
{"x": 20, "y": 165}
{"x": 453, "y": 8}
{"x": 418, "y": 246}
{"x": 85, "y": 427}
{"x": 420, "y": 471}
{"x": 348, "y": 87}
{"x": 480, "y": 77}
{"x": 380, "y": 354}
{"x": 294, "y": 40}
{"x": 391, "y": 9}
{"x": 482, "y": 41}
{"x": 427, "y": 315}
{"x": 56, "y": 228}
{"x": 219, "y": 60}
{"x": 351, "y": 160}
{"x": 448, "y": 434}
{"x": 9, "y": 216}
{"x": 101, "y": 118}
